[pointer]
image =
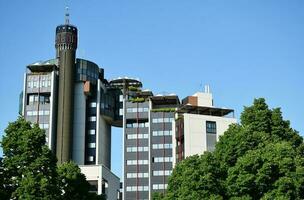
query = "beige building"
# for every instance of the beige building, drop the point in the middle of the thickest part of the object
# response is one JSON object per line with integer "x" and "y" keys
{"x": 199, "y": 125}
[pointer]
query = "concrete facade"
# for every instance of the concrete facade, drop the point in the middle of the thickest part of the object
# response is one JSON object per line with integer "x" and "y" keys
{"x": 69, "y": 99}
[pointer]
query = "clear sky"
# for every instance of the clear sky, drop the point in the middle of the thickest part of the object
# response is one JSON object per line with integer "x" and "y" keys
{"x": 242, "y": 48}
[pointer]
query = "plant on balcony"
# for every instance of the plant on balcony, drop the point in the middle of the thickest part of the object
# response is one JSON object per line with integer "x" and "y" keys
{"x": 163, "y": 110}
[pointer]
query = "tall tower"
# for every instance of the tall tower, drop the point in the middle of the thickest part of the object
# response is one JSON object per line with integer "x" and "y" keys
{"x": 66, "y": 45}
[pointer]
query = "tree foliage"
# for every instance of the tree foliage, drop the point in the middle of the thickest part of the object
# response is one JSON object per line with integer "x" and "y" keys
{"x": 30, "y": 167}
{"x": 73, "y": 183}
{"x": 260, "y": 158}
{"x": 29, "y": 170}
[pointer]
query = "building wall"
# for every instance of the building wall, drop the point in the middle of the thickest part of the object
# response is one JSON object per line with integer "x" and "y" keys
{"x": 37, "y": 102}
{"x": 79, "y": 124}
{"x": 195, "y": 136}
{"x": 104, "y": 143}
{"x": 106, "y": 182}
{"x": 161, "y": 150}
{"x": 136, "y": 167}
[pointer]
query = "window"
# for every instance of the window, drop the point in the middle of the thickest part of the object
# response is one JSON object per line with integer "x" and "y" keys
{"x": 43, "y": 98}
{"x": 162, "y": 120}
{"x": 211, "y": 127}
{"x": 92, "y": 145}
{"x": 44, "y": 126}
{"x": 138, "y": 136}
{"x": 137, "y": 188}
{"x": 90, "y": 158}
{"x": 134, "y": 162}
{"x": 140, "y": 125}
{"x": 159, "y": 186}
{"x": 137, "y": 175}
{"x": 135, "y": 110}
{"x": 92, "y": 132}
{"x": 92, "y": 119}
{"x": 93, "y": 104}
{"x": 34, "y": 113}
{"x": 162, "y": 173}
{"x": 162, "y": 133}
{"x": 137, "y": 149}
{"x": 162, "y": 159}
{"x": 162, "y": 146}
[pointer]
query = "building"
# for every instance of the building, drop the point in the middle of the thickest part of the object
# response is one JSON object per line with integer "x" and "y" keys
{"x": 160, "y": 131}
{"x": 72, "y": 101}
{"x": 77, "y": 106}
{"x": 199, "y": 125}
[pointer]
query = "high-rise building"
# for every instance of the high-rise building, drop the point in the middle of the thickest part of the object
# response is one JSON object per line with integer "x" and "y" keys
{"x": 71, "y": 99}
{"x": 159, "y": 131}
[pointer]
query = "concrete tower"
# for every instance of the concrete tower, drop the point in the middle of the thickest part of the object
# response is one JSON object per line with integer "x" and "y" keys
{"x": 66, "y": 45}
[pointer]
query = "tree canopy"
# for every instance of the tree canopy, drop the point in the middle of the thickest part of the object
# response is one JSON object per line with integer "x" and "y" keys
{"x": 260, "y": 158}
{"x": 29, "y": 170}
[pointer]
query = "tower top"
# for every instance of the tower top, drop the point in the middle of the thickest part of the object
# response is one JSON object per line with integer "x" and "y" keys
{"x": 67, "y": 15}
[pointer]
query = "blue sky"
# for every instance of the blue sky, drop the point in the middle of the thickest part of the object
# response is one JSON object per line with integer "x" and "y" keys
{"x": 242, "y": 48}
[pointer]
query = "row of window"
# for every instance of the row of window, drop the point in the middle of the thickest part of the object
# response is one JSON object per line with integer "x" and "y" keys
{"x": 138, "y": 136}
{"x": 137, "y": 188}
{"x": 36, "y": 84}
{"x": 92, "y": 145}
{"x": 35, "y": 98}
{"x": 162, "y": 159}
{"x": 162, "y": 133}
{"x": 162, "y": 173}
{"x": 137, "y": 175}
{"x": 162, "y": 120}
{"x": 146, "y": 162}
{"x": 35, "y": 113}
{"x": 44, "y": 126}
{"x": 162, "y": 146}
{"x": 134, "y": 162}
{"x": 135, "y": 110}
{"x": 159, "y": 186}
{"x": 140, "y": 125}
{"x": 137, "y": 149}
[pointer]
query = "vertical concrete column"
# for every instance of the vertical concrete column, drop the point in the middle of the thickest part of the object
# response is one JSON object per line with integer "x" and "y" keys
{"x": 66, "y": 44}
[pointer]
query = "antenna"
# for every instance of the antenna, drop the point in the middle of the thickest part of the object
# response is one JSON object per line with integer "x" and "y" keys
{"x": 67, "y": 15}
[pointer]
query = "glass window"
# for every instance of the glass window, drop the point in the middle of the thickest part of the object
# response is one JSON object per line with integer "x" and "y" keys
{"x": 211, "y": 127}
{"x": 92, "y": 145}
{"x": 90, "y": 158}
{"x": 92, "y": 119}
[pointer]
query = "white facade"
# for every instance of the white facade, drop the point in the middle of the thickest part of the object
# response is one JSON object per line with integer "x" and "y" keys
{"x": 195, "y": 133}
{"x": 79, "y": 124}
{"x": 204, "y": 99}
{"x": 107, "y": 182}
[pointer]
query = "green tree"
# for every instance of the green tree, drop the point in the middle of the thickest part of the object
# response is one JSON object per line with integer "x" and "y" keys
{"x": 3, "y": 190}
{"x": 30, "y": 167}
{"x": 29, "y": 170}
{"x": 73, "y": 183}
{"x": 157, "y": 196}
{"x": 260, "y": 158}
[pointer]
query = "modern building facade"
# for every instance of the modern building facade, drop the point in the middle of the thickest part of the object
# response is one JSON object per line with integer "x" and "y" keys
{"x": 159, "y": 131}
{"x": 199, "y": 125}
{"x": 76, "y": 106}
{"x": 70, "y": 99}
